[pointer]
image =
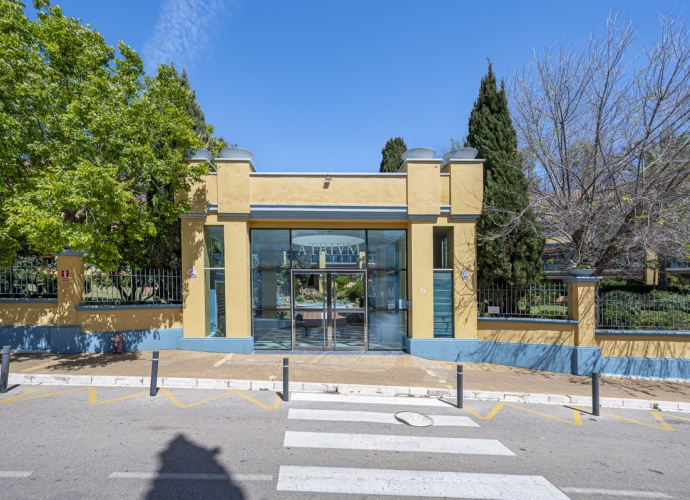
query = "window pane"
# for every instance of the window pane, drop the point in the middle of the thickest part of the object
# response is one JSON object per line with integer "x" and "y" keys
{"x": 271, "y": 289}
{"x": 215, "y": 303}
{"x": 387, "y": 330}
{"x": 387, "y": 290}
{"x": 387, "y": 249}
{"x": 443, "y": 304}
{"x": 325, "y": 248}
{"x": 272, "y": 329}
{"x": 270, "y": 248}
{"x": 214, "y": 246}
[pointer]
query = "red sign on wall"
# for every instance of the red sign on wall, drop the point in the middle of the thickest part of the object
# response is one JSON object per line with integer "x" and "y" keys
{"x": 64, "y": 275}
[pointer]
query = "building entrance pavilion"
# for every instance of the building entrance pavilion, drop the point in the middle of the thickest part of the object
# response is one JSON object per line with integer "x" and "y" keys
{"x": 339, "y": 261}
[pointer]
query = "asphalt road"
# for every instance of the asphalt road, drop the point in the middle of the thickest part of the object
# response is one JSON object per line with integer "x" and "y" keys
{"x": 106, "y": 443}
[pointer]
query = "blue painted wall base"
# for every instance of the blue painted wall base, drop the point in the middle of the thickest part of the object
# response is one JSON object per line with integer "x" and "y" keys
{"x": 217, "y": 344}
{"x": 553, "y": 358}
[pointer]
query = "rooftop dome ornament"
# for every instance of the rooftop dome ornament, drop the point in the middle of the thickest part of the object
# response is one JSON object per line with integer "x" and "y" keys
{"x": 460, "y": 154}
{"x": 418, "y": 154}
{"x": 233, "y": 152}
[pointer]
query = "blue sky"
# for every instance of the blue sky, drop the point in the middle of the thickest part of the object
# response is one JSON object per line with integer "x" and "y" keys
{"x": 322, "y": 85}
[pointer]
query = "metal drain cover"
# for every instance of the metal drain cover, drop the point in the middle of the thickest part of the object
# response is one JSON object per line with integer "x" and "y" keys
{"x": 414, "y": 419}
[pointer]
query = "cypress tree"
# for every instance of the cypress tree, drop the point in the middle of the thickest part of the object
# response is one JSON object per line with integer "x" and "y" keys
{"x": 392, "y": 155}
{"x": 508, "y": 252}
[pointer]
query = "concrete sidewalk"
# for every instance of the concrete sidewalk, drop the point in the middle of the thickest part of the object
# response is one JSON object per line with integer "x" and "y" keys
{"x": 354, "y": 369}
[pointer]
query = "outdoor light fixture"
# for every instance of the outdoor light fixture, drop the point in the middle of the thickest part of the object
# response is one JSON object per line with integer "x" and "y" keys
{"x": 328, "y": 177}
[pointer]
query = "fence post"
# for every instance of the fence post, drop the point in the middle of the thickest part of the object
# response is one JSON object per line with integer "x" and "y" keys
{"x": 5, "y": 375}
{"x": 154, "y": 374}
{"x": 595, "y": 394}
{"x": 460, "y": 387}
{"x": 286, "y": 379}
{"x": 70, "y": 289}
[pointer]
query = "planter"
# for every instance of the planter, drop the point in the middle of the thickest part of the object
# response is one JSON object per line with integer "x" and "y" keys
{"x": 460, "y": 154}
{"x": 418, "y": 154}
{"x": 236, "y": 153}
{"x": 581, "y": 272}
{"x": 198, "y": 154}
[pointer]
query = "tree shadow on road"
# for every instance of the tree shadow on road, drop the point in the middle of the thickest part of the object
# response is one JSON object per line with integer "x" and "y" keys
{"x": 184, "y": 457}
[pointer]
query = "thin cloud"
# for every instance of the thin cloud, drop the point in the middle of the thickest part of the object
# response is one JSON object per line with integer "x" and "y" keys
{"x": 183, "y": 32}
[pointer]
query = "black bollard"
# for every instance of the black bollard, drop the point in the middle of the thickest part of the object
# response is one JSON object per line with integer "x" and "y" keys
{"x": 5, "y": 375}
{"x": 459, "y": 388}
{"x": 286, "y": 379}
{"x": 595, "y": 394}
{"x": 154, "y": 374}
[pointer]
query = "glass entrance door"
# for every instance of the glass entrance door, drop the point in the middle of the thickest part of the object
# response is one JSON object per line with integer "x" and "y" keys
{"x": 329, "y": 310}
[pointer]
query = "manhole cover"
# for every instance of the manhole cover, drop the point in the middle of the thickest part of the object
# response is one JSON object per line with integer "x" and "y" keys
{"x": 414, "y": 419}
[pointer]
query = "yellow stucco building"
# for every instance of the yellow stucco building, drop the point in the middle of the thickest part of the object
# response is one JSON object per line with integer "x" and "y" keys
{"x": 331, "y": 261}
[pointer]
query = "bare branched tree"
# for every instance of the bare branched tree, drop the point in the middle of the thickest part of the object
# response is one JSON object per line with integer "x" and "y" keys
{"x": 605, "y": 128}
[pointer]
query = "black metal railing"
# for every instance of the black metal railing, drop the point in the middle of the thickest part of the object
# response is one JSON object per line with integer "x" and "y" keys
{"x": 619, "y": 310}
{"x": 151, "y": 286}
{"x": 544, "y": 300}
{"x": 29, "y": 278}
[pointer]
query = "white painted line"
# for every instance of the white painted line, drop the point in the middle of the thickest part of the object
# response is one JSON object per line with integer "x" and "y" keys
{"x": 15, "y": 473}
{"x": 223, "y": 360}
{"x": 374, "y": 417}
{"x": 190, "y": 476}
{"x": 416, "y": 483}
{"x": 373, "y": 400}
{"x": 617, "y": 493}
{"x": 395, "y": 443}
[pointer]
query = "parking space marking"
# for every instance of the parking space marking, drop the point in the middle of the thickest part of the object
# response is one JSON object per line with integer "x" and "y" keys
{"x": 180, "y": 404}
{"x": 616, "y": 493}
{"x": 93, "y": 397}
{"x": 218, "y": 363}
{"x": 577, "y": 417}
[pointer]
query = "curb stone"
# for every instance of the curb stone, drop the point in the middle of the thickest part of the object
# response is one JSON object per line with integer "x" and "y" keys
{"x": 347, "y": 389}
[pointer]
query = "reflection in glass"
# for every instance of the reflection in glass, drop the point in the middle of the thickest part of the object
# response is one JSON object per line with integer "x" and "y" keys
{"x": 272, "y": 329}
{"x": 310, "y": 290}
{"x": 215, "y": 303}
{"x": 310, "y": 328}
{"x": 443, "y": 303}
{"x": 323, "y": 248}
{"x": 270, "y": 248}
{"x": 349, "y": 329}
{"x": 388, "y": 290}
{"x": 271, "y": 289}
{"x": 387, "y": 330}
{"x": 214, "y": 247}
{"x": 387, "y": 249}
{"x": 348, "y": 290}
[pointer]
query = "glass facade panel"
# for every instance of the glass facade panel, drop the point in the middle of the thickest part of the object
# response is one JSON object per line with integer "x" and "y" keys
{"x": 328, "y": 248}
{"x": 388, "y": 290}
{"x": 214, "y": 274}
{"x": 270, "y": 248}
{"x": 387, "y": 330}
{"x": 443, "y": 304}
{"x": 272, "y": 329}
{"x": 214, "y": 246}
{"x": 271, "y": 289}
{"x": 387, "y": 249}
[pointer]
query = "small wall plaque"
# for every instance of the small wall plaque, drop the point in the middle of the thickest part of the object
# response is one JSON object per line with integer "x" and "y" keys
{"x": 465, "y": 275}
{"x": 494, "y": 310}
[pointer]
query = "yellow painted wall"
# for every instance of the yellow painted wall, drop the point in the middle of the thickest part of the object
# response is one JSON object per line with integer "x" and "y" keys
{"x": 643, "y": 346}
{"x": 420, "y": 256}
{"x": 465, "y": 292}
{"x": 193, "y": 300}
{"x": 341, "y": 190}
{"x": 582, "y": 307}
{"x": 28, "y": 314}
{"x": 237, "y": 280}
{"x": 233, "y": 186}
{"x": 445, "y": 190}
{"x": 526, "y": 332}
{"x": 110, "y": 320}
{"x": 423, "y": 187}
{"x": 466, "y": 186}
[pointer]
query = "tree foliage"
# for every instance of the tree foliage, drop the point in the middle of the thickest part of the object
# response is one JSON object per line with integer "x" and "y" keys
{"x": 92, "y": 147}
{"x": 392, "y": 155}
{"x": 606, "y": 127}
{"x": 510, "y": 248}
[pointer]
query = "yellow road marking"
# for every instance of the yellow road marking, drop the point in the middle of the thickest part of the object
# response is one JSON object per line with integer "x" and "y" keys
{"x": 664, "y": 425}
{"x": 22, "y": 397}
{"x": 671, "y": 415}
{"x": 93, "y": 397}
{"x": 37, "y": 367}
{"x": 180, "y": 404}
{"x": 577, "y": 418}
{"x": 23, "y": 394}
{"x": 218, "y": 363}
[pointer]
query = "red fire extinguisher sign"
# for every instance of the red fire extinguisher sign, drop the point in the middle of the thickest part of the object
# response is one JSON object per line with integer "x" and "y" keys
{"x": 64, "y": 275}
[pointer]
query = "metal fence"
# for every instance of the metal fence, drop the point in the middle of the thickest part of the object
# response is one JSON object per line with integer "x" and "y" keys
{"x": 619, "y": 310}
{"x": 544, "y": 300}
{"x": 152, "y": 286}
{"x": 29, "y": 278}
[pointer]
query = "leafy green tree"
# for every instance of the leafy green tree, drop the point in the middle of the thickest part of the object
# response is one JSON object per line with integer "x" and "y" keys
{"x": 392, "y": 155}
{"x": 92, "y": 147}
{"x": 511, "y": 242}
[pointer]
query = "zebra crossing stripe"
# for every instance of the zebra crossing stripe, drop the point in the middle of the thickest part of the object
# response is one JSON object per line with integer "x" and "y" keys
{"x": 374, "y": 417}
{"x": 377, "y": 400}
{"x": 416, "y": 483}
{"x": 395, "y": 443}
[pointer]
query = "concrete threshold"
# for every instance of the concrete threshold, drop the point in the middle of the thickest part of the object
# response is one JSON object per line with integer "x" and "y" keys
{"x": 345, "y": 389}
